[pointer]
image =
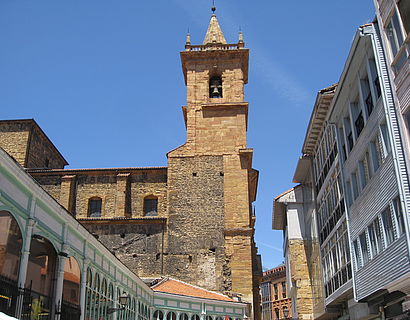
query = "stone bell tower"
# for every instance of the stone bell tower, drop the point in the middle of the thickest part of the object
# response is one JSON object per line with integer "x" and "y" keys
{"x": 211, "y": 183}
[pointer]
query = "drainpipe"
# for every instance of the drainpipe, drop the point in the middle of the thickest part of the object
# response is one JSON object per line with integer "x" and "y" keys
{"x": 395, "y": 134}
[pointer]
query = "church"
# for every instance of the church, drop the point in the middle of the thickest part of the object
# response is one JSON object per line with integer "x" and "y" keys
{"x": 192, "y": 220}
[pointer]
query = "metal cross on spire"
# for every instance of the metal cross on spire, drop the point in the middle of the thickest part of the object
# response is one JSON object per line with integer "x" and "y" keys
{"x": 213, "y": 7}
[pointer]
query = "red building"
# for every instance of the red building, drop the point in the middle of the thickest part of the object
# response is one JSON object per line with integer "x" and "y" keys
{"x": 275, "y": 301}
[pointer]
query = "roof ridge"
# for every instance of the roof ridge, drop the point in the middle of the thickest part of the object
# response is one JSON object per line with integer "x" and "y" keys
{"x": 198, "y": 287}
{"x": 201, "y": 295}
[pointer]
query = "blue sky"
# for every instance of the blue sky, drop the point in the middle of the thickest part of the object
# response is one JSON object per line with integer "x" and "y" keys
{"x": 103, "y": 78}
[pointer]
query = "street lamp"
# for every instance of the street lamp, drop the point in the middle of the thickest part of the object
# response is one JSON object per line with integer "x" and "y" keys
{"x": 123, "y": 300}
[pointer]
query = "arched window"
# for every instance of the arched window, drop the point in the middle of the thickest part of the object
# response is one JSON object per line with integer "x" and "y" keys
{"x": 285, "y": 312}
{"x": 140, "y": 310}
{"x": 150, "y": 206}
{"x": 119, "y": 315}
{"x": 133, "y": 308}
{"x": 10, "y": 249}
{"x": 71, "y": 290}
{"x": 158, "y": 315}
{"x": 103, "y": 299}
{"x": 94, "y": 207}
{"x": 89, "y": 294}
{"x": 40, "y": 275}
{"x": 97, "y": 297}
{"x": 171, "y": 316}
{"x": 277, "y": 313}
{"x": 215, "y": 87}
{"x": 195, "y": 317}
{"x": 208, "y": 318}
{"x": 183, "y": 316}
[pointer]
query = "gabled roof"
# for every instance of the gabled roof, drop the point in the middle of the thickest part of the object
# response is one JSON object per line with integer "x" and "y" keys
{"x": 279, "y": 207}
{"x": 214, "y": 33}
{"x": 173, "y": 286}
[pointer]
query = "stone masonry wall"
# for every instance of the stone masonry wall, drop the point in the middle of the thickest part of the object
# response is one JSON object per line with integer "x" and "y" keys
{"x": 24, "y": 140}
{"x": 198, "y": 75}
{"x": 122, "y": 194}
{"x": 195, "y": 246}
{"x": 138, "y": 246}
{"x": 102, "y": 186}
{"x": 298, "y": 250}
{"x": 143, "y": 185}
{"x": 14, "y": 140}
{"x": 51, "y": 184}
{"x": 316, "y": 276}
{"x": 41, "y": 153}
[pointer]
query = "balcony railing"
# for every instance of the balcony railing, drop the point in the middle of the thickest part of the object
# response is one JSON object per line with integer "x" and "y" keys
{"x": 214, "y": 46}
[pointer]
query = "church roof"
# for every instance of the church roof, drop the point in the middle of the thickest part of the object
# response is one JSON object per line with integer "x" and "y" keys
{"x": 214, "y": 33}
{"x": 169, "y": 285}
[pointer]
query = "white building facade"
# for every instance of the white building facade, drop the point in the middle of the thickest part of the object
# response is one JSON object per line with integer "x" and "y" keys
{"x": 375, "y": 176}
{"x": 355, "y": 160}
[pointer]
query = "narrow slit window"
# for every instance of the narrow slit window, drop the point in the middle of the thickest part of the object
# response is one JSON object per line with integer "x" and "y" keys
{"x": 364, "y": 248}
{"x": 388, "y": 226}
{"x": 385, "y": 139}
{"x": 367, "y": 96}
{"x": 398, "y": 213}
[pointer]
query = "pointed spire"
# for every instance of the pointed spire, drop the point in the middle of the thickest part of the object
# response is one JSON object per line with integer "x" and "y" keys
{"x": 240, "y": 37}
{"x": 214, "y": 33}
{"x": 188, "y": 39}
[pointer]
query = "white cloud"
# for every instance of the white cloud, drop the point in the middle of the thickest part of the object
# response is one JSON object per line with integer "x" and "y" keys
{"x": 269, "y": 246}
{"x": 282, "y": 82}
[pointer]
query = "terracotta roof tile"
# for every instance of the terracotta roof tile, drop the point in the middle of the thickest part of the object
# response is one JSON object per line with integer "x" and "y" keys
{"x": 178, "y": 287}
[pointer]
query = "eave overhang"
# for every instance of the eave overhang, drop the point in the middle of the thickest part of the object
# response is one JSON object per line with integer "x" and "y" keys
{"x": 279, "y": 212}
{"x": 319, "y": 115}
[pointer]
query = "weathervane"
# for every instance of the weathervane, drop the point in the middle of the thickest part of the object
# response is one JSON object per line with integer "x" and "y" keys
{"x": 213, "y": 7}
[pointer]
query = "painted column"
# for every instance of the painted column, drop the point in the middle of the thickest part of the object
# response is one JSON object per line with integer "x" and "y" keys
{"x": 151, "y": 313}
{"x": 203, "y": 313}
{"x": 62, "y": 257}
{"x": 115, "y": 299}
{"x": 24, "y": 264}
{"x": 83, "y": 288}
